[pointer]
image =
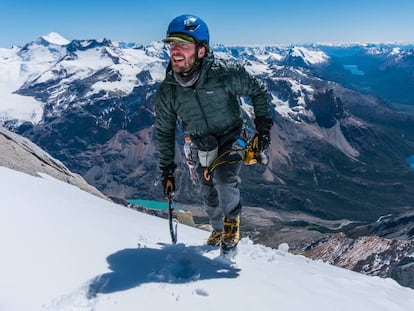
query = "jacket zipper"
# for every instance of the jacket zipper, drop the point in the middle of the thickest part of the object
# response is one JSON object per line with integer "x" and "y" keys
{"x": 202, "y": 110}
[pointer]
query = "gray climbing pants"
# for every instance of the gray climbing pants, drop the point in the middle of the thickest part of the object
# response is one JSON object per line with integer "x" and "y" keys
{"x": 221, "y": 193}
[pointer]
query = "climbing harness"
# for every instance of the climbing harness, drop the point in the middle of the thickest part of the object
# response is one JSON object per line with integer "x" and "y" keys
{"x": 251, "y": 152}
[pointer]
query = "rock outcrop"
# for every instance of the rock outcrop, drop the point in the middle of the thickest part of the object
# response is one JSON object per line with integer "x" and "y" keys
{"x": 20, "y": 154}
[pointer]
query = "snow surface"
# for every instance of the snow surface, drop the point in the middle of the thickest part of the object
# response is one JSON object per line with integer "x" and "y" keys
{"x": 55, "y": 38}
{"x": 19, "y": 66}
{"x": 309, "y": 56}
{"x": 12, "y": 75}
{"x": 65, "y": 249}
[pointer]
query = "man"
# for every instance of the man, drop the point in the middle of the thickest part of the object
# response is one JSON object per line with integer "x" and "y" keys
{"x": 203, "y": 91}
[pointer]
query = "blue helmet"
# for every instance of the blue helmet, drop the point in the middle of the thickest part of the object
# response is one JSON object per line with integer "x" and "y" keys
{"x": 188, "y": 25}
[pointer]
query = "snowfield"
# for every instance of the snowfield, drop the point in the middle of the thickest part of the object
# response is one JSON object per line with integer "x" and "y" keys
{"x": 65, "y": 249}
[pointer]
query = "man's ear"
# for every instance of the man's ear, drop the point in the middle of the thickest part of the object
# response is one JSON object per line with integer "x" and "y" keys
{"x": 202, "y": 51}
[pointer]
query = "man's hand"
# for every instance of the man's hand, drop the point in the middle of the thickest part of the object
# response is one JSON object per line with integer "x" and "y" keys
{"x": 168, "y": 179}
{"x": 263, "y": 127}
{"x": 263, "y": 141}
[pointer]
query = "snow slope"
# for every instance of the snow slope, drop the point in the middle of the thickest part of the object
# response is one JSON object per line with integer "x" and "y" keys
{"x": 65, "y": 249}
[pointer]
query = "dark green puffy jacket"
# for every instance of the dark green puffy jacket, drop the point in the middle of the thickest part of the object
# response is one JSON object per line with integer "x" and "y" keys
{"x": 210, "y": 107}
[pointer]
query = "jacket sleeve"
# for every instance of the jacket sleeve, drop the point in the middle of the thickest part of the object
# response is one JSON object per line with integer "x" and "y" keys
{"x": 165, "y": 125}
{"x": 247, "y": 85}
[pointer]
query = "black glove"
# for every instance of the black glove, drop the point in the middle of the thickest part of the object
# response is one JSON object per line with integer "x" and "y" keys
{"x": 263, "y": 141}
{"x": 168, "y": 180}
{"x": 263, "y": 127}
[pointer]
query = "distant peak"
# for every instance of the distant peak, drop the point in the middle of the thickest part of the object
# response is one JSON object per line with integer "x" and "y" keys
{"x": 309, "y": 56}
{"x": 55, "y": 38}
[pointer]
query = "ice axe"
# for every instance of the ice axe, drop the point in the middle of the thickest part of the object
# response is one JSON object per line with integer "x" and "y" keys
{"x": 172, "y": 222}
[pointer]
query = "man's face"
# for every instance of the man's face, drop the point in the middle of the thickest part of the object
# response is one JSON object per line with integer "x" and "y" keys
{"x": 183, "y": 56}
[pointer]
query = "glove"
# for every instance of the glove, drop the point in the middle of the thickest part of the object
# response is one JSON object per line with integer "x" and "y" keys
{"x": 263, "y": 127}
{"x": 263, "y": 140}
{"x": 168, "y": 180}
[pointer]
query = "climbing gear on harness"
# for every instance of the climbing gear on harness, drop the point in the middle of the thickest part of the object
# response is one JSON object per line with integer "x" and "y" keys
{"x": 188, "y": 153}
{"x": 207, "y": 147}
{"x": 250, "y": 150}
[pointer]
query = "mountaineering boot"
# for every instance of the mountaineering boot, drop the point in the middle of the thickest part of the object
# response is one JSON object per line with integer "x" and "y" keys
{"x": 215, "y": 238}
{"x": 231, "y": 234}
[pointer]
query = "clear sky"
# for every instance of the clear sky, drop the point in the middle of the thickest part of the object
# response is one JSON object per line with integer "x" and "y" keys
{"x": 230, "y": 21}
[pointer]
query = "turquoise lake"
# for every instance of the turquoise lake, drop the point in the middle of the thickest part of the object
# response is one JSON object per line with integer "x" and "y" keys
{"x": 157, "y": 205}
{"x": 354, "y": 70}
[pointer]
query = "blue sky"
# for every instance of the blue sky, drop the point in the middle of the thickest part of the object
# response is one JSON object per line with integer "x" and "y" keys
{"x": 230, "y": 21}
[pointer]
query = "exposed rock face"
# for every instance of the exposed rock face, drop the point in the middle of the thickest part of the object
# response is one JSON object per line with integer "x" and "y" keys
{"x": 371, "y": 255}
{"x": 122, "y": 156}
{"x": 393, "y": 226}
{"x": 20, "y": 154}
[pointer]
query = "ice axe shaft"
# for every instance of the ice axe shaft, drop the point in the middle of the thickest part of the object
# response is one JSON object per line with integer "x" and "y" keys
{"x": 173, "y": 229}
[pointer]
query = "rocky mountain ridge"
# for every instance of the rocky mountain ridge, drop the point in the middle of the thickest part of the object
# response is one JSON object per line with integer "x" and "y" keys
{"x": 18, "y": 153}
{"x": 370, "y": 255}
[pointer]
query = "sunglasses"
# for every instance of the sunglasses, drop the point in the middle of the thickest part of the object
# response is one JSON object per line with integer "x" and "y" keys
{"x": 179, "y": 45}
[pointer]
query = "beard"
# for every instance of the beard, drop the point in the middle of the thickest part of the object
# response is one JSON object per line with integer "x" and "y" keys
{"x": 184, "y": 66}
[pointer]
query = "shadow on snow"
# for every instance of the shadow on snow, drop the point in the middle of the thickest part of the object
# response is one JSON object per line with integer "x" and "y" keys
{"x": 174, "y": 264}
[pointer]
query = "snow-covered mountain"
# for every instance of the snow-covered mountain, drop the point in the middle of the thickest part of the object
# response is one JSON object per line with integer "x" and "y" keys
{"x": 90, "y": 104}
{"x": 383, "y": 70}
{"x": 52, "y": 71}
{"x": 70, "y": 250}
{"x": 338, "y": 157}
{"x": 109, "y": 69}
